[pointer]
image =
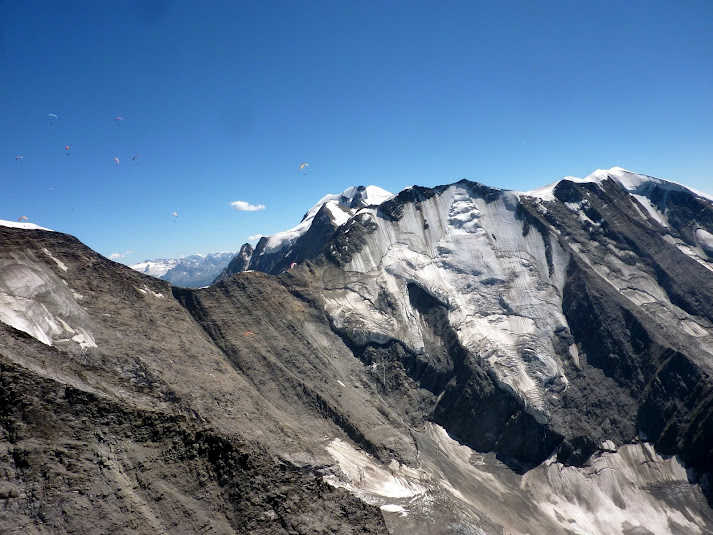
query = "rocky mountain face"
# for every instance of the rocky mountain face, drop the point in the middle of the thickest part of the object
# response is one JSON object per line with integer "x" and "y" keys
{"x": 193, "y": 271}
{"x": 449, "y": 360}
{"x": 239, "y": 263}
{"x": 279, "y": 252}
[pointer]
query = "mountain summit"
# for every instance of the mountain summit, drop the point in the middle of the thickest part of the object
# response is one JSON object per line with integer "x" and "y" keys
{"x": 455, "y": 359}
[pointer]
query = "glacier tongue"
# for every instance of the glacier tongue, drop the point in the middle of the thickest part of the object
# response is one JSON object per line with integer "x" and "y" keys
{"x": 501, "y": 282}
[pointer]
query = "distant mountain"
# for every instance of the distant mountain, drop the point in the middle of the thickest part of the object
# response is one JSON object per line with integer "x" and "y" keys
{"x": 191, "y": 271}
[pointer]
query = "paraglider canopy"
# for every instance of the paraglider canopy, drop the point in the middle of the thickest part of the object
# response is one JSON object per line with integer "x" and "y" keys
{"x": 19, "y": 157}
{"x": 52, "y": 116}
{"x": 304, "y": 165}
{"x": 118, "y": 119}
{"x": 134, "y": 156}
{"x": 116, "y": 160}
{"x": 174, "y": 214}
{"x": 23, "y": 218}
{"x": 66, "y": 149}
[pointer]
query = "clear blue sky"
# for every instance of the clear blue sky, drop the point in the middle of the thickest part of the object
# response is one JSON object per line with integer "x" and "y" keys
{"x": 222, "y": 101}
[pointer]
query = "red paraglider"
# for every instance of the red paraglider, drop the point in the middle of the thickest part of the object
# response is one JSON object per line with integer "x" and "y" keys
{"x": 67, "y": 148}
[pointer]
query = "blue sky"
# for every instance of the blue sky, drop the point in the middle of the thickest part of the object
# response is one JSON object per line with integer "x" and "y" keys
{"x": 222, "y": 101}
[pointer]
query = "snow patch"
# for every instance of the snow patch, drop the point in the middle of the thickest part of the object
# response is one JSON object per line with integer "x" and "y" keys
{"x": 619, "y": 487}
{"x": 148, "y": 291}
{"x": 394, "y": 508}
{"x": 705, "y": 240}
{"x": 22, "y": 225}
{"x": 362, "y": 475}
{"x": 84, "y": 340}
{"x": 651, "y": 210}
{"x": 60, "y": 264}
{"x": 374, "y": 195}
{"x": 34, "y": 300}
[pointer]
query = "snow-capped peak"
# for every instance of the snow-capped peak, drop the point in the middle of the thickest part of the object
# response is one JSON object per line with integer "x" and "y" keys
{"x": 155, "y": 268}
{"x": 341, "y": 207}
{"x": 630, "y": 180}
{"x": 193, "y": 270}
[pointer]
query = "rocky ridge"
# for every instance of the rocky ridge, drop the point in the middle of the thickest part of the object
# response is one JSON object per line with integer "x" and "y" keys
{"x": 466, "y": 359}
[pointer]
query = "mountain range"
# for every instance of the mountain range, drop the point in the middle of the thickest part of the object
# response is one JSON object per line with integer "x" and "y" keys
{"x": 192, "y": 271}
{"x": 456, "y": 359}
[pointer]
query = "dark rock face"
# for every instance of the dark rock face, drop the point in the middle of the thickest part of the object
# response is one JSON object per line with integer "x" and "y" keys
{"x": 239, "y": 263}
{"x": 74, "y": 461}
{"x": 349, "y": 239}
{"x": 393, "y": 208}
{"x": 306, "y": 246}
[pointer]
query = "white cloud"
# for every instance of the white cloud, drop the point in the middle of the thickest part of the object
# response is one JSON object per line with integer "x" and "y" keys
{"x": 242, "y": 206}
{"x": 254, "y": 237}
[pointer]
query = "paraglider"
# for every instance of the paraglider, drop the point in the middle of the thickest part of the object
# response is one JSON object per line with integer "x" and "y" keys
{"x": 67, "y": 148}
{"x": 23, "y": 218}
{"x": 19, "y": 157}
{"x": 174, "y": 214}
{"x": 116, "y": 160}
{"x": 52, "y": 116}
{"x": 304, "y": 166}
{"x": 134, "y": 157}
{"x": 118, "y": 120}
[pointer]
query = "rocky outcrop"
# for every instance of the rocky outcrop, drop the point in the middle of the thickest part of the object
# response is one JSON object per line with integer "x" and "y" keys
{"x": 239, "y": 263}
